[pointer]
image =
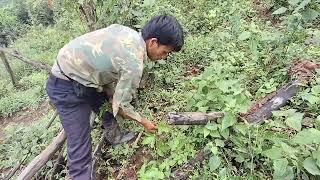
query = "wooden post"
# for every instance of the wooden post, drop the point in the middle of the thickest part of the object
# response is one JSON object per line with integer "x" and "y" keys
{"x": 8, "y": 68}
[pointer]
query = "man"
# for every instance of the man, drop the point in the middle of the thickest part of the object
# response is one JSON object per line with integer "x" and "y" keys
{"x": 88, "y": 66}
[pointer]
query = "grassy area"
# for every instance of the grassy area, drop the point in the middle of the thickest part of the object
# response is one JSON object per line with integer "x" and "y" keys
{"x": 245, "y": 54}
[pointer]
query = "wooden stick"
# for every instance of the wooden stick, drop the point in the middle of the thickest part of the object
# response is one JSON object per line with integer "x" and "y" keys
{"x": 192, "y": 118}
{"x": 8, "y": 68}
{"x": 52, "y": 118}
{"x": 33, "y": 63}
{"x": 12, "y": 172}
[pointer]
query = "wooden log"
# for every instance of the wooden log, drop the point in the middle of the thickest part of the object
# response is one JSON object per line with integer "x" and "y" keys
{"x": 38, "y": 162}
{"x": 33, "y": 63}
{"x": 192, "y": 118}
{"x": 8, "y": 68}
{"x": 184, "y": 172}
{"x": 280, "y": 98}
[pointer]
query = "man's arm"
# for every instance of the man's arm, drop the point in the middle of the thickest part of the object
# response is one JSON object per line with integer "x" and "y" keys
{"x": 122, "y": 97}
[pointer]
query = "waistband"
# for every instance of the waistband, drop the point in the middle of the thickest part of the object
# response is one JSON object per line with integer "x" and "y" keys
{"x": 61, "y": 81}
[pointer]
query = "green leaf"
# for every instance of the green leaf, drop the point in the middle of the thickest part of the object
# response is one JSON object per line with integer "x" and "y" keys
{"x": 307, "y": 136}
{"x": 316, "y": 156}
{"x": 293, "y": 2}
{"x": 310, "y": 15}
{"x": 148, "y": 2}
{"x": 244, "y": 35}
{"x": 214, "y": 162}
{"x": 310, "y": 165}
{"x": 280, "y": 166}
{"x": 150, "y": 140}
{"x": 280, "y": 11}
{"x": 294, "y": 121}
{"x": 242, "y": 128}
{"x": 206, "y": 132}
{"x": 219, "y": 142}
{"x": 302, "y": 5}
{"x": 228, "y": 120}
{"x": 273, "y": 153}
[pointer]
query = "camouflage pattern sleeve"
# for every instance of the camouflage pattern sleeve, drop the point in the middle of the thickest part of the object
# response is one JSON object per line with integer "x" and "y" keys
{"x": 124, "y": 91}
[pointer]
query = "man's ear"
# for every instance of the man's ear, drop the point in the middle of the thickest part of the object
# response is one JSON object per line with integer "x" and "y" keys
{"x": 154, "y": 42}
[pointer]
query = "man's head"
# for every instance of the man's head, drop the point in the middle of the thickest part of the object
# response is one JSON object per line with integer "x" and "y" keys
{"x": 163, "y": 35}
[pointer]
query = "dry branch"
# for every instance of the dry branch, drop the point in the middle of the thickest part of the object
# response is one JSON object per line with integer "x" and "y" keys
{"x": 52, "y": 118}
{"x": 192, "y": 118}
{"x": 33, "y": 63}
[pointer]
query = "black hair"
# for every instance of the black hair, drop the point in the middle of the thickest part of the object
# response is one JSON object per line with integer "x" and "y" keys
{"x": 166, "y": 29}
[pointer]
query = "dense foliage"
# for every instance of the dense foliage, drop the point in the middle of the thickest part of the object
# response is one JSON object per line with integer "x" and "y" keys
{"x": 242, "y": 50}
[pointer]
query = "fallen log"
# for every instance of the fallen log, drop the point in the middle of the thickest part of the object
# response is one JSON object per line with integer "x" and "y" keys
{"x": 300, "y": 73}
{"x": 38, "y": 162}
{"x": 192, "y": 118}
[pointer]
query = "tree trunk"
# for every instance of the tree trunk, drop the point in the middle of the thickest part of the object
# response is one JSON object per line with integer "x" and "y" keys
{"x": 88, "y": 11}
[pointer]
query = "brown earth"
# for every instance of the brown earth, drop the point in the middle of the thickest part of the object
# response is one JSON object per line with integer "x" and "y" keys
{"x": 24, "y": 117}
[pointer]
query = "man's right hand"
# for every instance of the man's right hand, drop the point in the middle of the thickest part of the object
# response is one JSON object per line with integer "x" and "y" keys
{"x": 148, "y": 126}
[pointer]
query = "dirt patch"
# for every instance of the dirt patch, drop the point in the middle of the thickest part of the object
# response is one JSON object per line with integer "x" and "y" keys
{"x": 265, "y": 13}
{"x": 135, "y": 163}
{"x": 25, "y": 117}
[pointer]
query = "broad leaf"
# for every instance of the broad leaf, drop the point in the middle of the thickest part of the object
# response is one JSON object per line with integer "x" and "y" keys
{"x": 294, "y": 121}
{"x": 307, "y": 136}
{"x": 310, "y": 165}
{"x": 228, "y": 120}
{"x": 280, "y": 11}
{"x": 244, "y": 36}
{"x": 214, "y": 162}
{"x": 273, "y": 153}
{"x": 280, "y": 166}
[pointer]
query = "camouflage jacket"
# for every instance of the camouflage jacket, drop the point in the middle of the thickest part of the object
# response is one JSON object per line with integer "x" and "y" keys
{"x": 113, "y": 55}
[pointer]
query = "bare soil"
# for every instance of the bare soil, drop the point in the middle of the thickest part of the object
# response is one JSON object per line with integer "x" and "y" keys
{"x": 24, "y": 117}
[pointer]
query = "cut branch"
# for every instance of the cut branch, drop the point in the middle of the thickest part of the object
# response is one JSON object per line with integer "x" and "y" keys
{"x": 192, "y": 118}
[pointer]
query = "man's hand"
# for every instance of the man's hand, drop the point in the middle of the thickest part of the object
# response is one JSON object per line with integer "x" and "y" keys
{"x": 148, "y": 126}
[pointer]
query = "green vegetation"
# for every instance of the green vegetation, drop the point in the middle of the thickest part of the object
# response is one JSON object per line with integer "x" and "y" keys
{"x": 245, "y": 47}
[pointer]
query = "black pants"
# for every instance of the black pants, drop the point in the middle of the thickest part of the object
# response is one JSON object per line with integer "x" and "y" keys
{"x": 74, "y": 111}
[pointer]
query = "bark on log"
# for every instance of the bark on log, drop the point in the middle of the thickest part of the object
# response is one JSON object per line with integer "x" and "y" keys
{"x": 38, "y": 162}
{"x": 8, "y": 68}
{"x": 183, "y": 172}
{"x": 278, "y": 100}
{"x": 192, "y": 118}
{"x": 33, "y": 63}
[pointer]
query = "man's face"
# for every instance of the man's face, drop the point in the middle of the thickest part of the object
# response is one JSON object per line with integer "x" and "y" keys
{"x": 156, "y": 51}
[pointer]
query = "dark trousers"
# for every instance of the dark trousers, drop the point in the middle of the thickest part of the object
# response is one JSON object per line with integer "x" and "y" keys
{"x": 74, "y": 111}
